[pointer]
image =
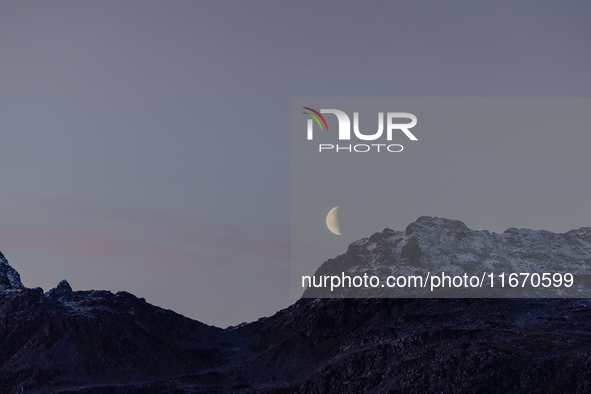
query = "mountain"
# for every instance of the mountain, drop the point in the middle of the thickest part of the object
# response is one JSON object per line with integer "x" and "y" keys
{"x": 435, "y": 245}
{"x": 65, "y": 341}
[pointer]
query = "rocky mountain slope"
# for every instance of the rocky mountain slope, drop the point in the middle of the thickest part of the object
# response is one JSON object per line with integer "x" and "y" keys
{"x": 435, "y": 245}
{"x": 63, "y": 341}
{"x": 9, "y": 278}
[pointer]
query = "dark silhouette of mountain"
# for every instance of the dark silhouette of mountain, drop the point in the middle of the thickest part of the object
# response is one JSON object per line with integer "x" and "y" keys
{"x": 65, "y": 341}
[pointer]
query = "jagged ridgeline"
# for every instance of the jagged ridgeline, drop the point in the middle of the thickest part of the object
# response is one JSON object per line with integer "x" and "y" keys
{"x": 432, "y": 251}
{"x": 96, "y": 342}
{"x": 63, "y": 340}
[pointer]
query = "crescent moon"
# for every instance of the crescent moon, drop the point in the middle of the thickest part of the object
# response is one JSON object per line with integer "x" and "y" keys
{"x": 332, "y": 222}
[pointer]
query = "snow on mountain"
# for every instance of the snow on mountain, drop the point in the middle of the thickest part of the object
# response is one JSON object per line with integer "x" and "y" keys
{"x": 435, "y": 245}
{"x": 9, "y": 278}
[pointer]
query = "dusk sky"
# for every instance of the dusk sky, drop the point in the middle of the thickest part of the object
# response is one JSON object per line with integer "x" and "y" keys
{"x": 145, "y": 145}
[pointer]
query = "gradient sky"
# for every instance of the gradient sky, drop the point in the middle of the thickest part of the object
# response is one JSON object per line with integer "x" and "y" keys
{"x": 145, "y": 146}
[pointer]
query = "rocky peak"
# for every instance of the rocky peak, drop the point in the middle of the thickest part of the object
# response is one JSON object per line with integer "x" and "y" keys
{"x": 62, "y": 288}
{"x": 9, "y": 278}
{"x": 429, "y": 224}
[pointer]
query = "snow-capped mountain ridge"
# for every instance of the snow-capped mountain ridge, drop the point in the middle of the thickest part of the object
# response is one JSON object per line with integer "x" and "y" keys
{"x": 432, "y": 244}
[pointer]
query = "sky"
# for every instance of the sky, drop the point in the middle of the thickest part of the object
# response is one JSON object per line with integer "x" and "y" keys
{"x": 145, "y": 145}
